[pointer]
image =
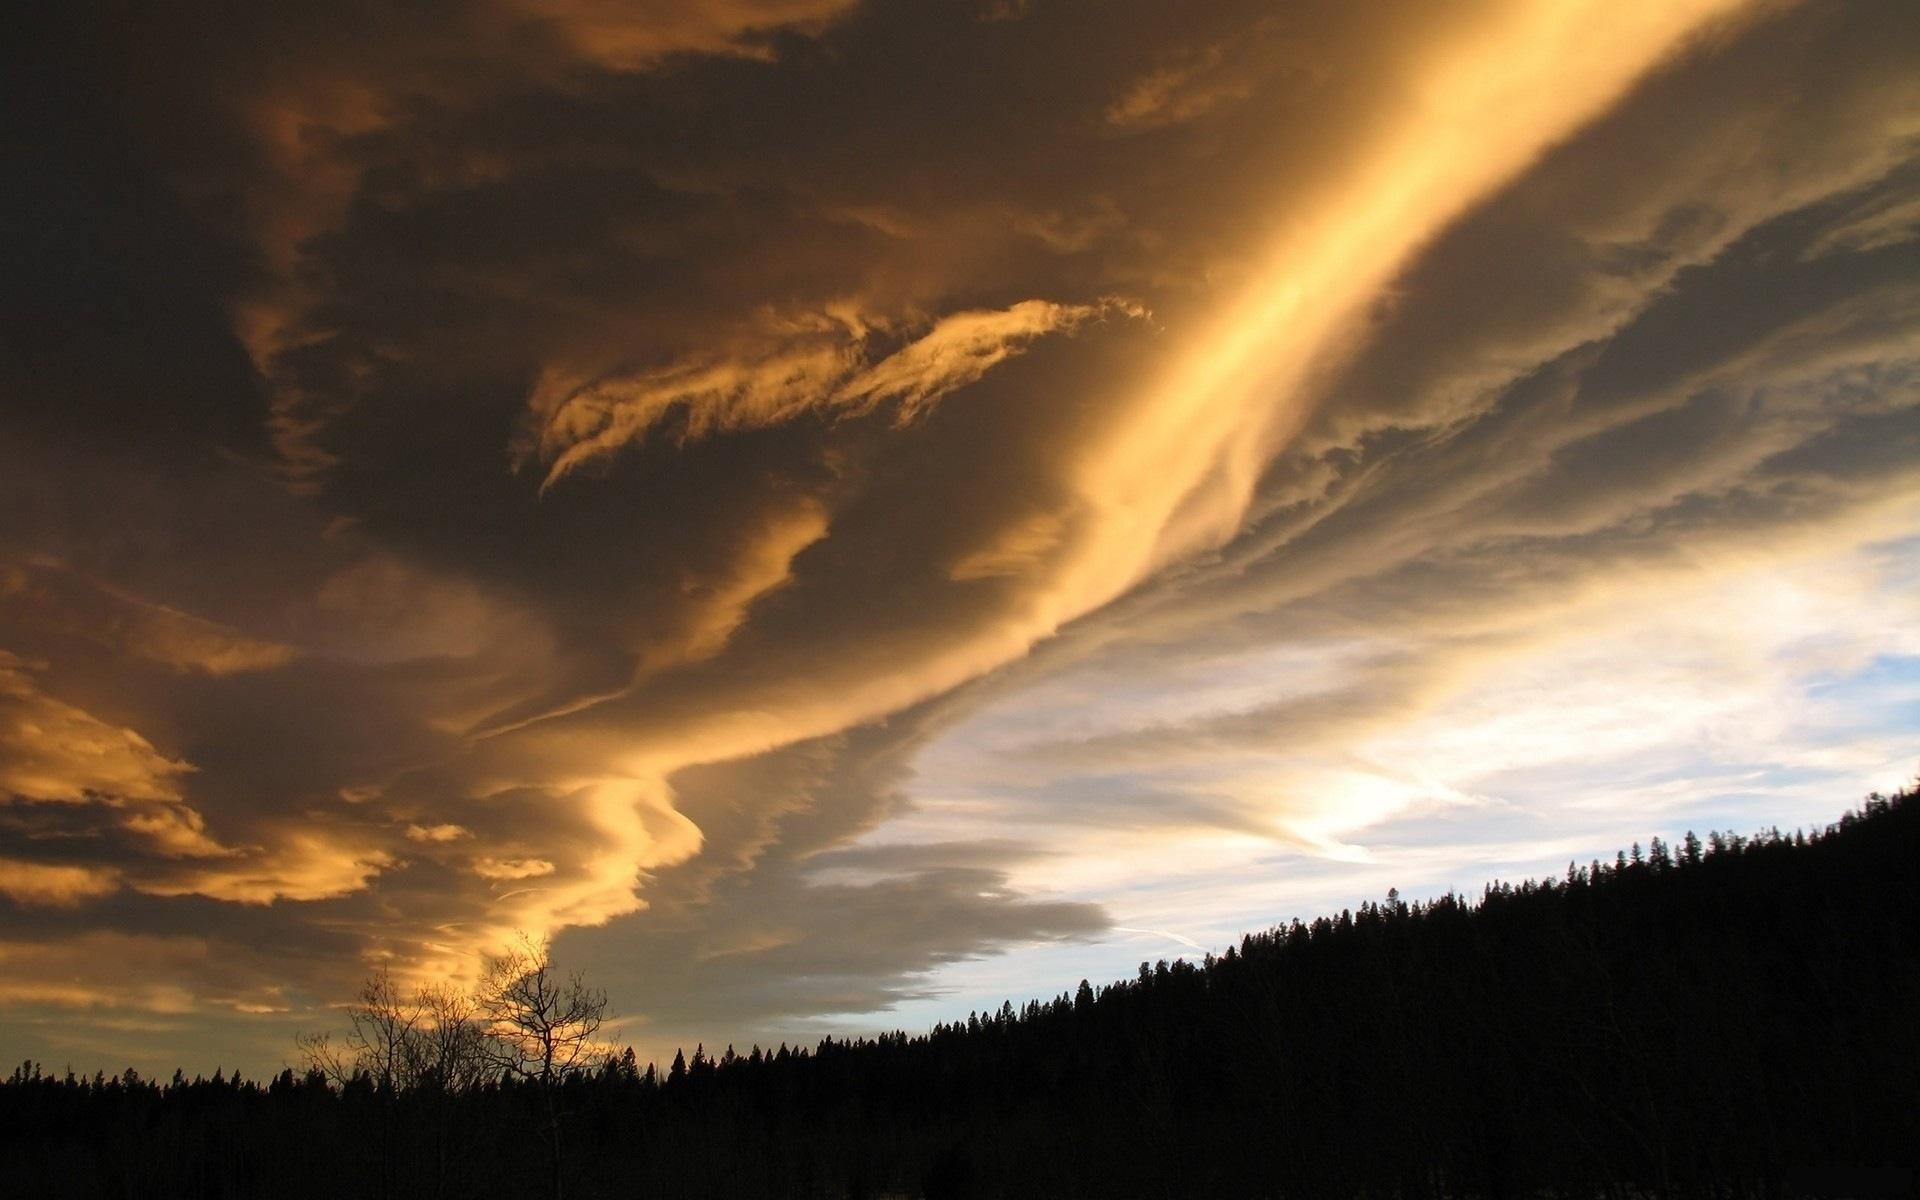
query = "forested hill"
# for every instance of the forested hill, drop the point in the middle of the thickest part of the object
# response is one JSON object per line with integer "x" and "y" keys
{"x": 1734, "y": 1018}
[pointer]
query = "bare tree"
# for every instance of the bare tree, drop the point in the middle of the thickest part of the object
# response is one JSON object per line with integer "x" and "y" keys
{"x": 383, "y": 1027}
{"x": 431, "y": 1037}
{"x": 540, "y": 1027}
{"x": 524, "y": 1019}
{"x": 449, "y": 1060}
{"x": 429, "y": 1043}
{"x": 449, "y": 1045}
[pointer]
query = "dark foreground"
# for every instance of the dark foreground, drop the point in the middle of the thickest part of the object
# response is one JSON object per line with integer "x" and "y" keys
{"x": 1728, "y": 1020}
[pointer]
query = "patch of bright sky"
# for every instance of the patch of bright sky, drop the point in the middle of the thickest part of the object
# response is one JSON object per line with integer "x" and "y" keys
{"x": 1735, "y": 699}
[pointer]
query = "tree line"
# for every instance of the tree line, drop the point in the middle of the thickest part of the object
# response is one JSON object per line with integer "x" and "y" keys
{"x": 1732, "y": 1017}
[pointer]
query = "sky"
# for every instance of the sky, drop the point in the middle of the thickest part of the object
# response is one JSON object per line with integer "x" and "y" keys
{"x": 837, "y": 514}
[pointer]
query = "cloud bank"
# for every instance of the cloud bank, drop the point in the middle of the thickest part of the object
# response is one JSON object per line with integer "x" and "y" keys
{"x": 801, "y": 498}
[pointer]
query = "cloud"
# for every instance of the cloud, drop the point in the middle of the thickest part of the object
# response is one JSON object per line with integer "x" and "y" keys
{"x": 1626, "y": 582}
{"x": 681, "y": 479}
{"x": 55, "y": 751}
{"x": 1891, "y": 222}
{"x": 445, "y": 832}
{"x": 302, "y": 865}
{"x": 1192, "y": 86}
{"x": 821, "y": 368}
{"x": 64, "y": 886}
{"x": 42, "y": 594}
{"x": 120, "y": 793}
{"x": 962, "y": 347}
{"x": 511, "y": 868}
{"x": 628, "y": 36}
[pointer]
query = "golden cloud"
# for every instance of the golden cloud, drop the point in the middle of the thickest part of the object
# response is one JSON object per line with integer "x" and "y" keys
{"x": 50, "y": 750}
{"x": 822, "y": 367}
{"x": 54, "y": 885}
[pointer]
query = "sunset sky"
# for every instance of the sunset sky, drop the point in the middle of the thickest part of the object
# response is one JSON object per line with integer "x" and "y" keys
{"x": 842, "y": 513}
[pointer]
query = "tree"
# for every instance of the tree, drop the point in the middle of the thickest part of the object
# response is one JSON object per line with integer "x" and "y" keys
{"x": 401, "y": 1042}
{"x": 426, "y": 1041}
{"x": 440, "y": 1041}
{"x": 381, "y": 1027}
{"x": 1659, "y": 856}
{"x": 540, "y": 1029}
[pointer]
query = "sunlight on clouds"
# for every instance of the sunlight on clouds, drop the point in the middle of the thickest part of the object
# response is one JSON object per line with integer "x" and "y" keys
{"x": 511, "y": 868}
{"x": 963, "y": 347}
{"x": 634, "y": 829}
{"x": 126, "y": 973}
{"x": 1176, "y": 473}
{"x": 1717, "y": 669}
{"x": 1202, "y": 432}
{"x": 45, "y": 595}
{"x": 1208, "y": 427}
{"x": 437, "y": 833}
{"x": 56, "y": 886}
{"x": 761, "y": 566}
{"x": 54, "y": 751}
{"x": 298, "y": 865}
{"x": 821, "y": 366}
{"x": 360, "y": 87}
{"x": 174, "y": 830}
{"x": 1179, "y": 91}
{"x": 793, "y": 498}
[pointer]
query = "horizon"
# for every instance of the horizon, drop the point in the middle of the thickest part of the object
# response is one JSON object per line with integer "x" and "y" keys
{"x": 840, "y": 513}
{"x": 941, "y": 1007}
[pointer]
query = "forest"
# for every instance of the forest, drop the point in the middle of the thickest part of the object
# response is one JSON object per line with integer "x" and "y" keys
{"x": 1732, "y": 1017}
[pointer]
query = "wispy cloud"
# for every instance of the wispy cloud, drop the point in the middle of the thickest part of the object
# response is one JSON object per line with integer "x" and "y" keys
{"x": 817, "y": 364}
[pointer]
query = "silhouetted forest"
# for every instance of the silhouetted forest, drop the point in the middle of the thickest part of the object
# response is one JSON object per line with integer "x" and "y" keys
{"x": 1739, "y": 1017}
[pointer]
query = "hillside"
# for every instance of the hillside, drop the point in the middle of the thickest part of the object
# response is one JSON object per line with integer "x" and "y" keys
{"x": 1730, "y": 1018}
